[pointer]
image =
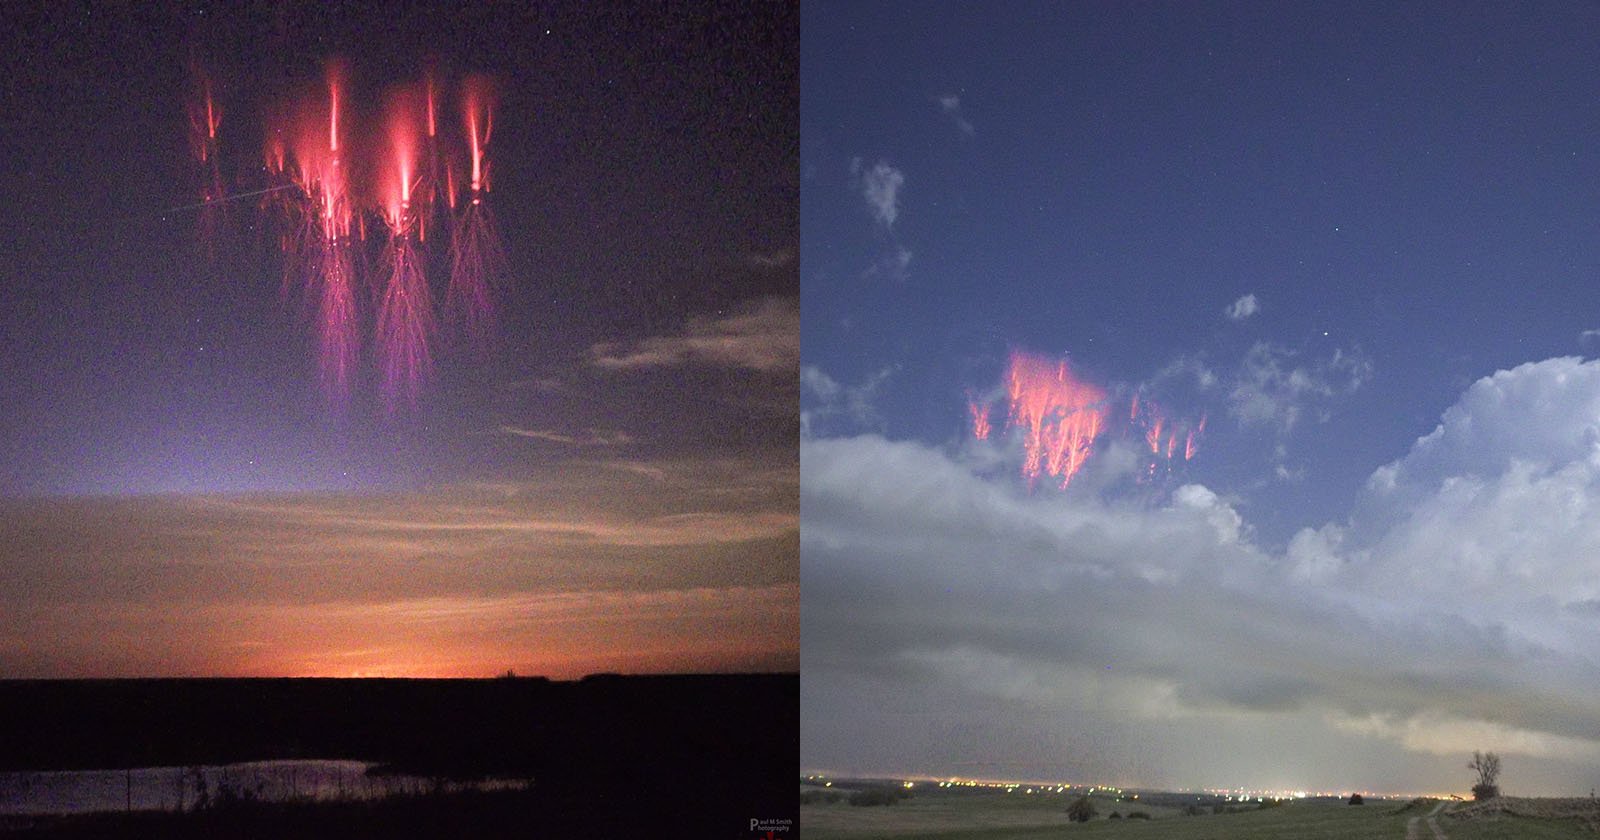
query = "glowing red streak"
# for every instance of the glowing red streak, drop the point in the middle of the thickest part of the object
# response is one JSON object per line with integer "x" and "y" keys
{"x": 1059, "y": 418}
{"x": 204, "y": 118}
{"x": 1059, "y": 415}
{"x": 432, "y": 122}
{"x": 333, "y": 111}
{"x": 480, "y": 125}
{"x": 212, "y": 116}
{"x": 277, "y": 155}
{"x": 477, "y": 153}
{"x": 1153, "y": 437}
{"x": 335, "y": 193}
{"x": 980, "y": 419}
{"x": 1191, "y": 446}
{"x": 402, "y": 173}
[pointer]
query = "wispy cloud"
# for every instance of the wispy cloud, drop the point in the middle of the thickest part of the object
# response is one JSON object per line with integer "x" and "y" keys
{"x": 762, "y": 335}
{"x": 880, "y": 186}
{"x": 893, "y": 265}
{"x": 1276, "y": 386}
{"x": 773, "y": 260}
{"x": 950, "y": 104}
{"x": 826, "y": 403}
{"x": 428, "y": 582}
{"x": 1188, "y": 367}
{"x": 592, "y": 437}
{"x": 1242, "y": 308}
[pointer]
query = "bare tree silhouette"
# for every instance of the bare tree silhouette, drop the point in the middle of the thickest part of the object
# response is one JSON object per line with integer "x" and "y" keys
{"x": 1487, "y": 766}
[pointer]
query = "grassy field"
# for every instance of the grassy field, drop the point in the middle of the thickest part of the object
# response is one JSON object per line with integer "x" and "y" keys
{"x": 1519, "y": 818}
{"x": 1514, "y": 827}
{"x": 1015, "y": 815}
{"x": 984, "y": 814}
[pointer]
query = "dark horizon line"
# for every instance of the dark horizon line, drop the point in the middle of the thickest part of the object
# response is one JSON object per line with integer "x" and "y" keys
{"x": 599, "y": 675}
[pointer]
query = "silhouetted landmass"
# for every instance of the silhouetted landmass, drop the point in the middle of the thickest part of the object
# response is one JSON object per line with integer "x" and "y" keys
{"x": 708, "y": 751}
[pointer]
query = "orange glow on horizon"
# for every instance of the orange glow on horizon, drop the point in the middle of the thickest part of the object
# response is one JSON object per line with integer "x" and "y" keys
{"x": 562, "y": 636}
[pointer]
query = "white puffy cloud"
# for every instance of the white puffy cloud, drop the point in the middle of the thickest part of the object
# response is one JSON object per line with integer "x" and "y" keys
{"x": 1242, "y": 308}
{"x": 1496, "y": 510}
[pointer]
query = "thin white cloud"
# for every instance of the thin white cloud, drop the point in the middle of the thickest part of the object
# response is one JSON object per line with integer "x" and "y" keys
{"x": 893, "y": 265}
{"x": 1276, "y": 386}
{"x": 592, "y": 437}
{"x": 762, "y": 335}
{"x": 773, "y": 260}
{"x": 950, "y": 104}
{"x": 412, "y": 584}
{"x": 1243, "y": 308}
{"x": 1188, "y": 368}
{"x": 828, "y": 406}
{"x": 880, "y": 186}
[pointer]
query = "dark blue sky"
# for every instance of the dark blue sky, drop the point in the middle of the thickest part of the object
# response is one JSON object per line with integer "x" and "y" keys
{"x": 640, "y": 162}
{"x": 179, "y": 496}
{"x": 1416, "y": 186}
{"x": 1359, "y": 239}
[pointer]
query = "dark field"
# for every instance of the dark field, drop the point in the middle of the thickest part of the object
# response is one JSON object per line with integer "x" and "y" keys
{"x": 701, "y": 755}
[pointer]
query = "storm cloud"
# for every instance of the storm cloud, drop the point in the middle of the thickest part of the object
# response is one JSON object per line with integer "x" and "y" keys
{"x": 956, "y": 624}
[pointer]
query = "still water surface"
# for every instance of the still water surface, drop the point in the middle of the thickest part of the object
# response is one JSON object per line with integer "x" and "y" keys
{"x": 185, "y": 788}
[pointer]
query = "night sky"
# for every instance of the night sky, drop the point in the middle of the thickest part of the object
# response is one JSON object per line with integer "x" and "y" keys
{"x": 610, "y": 484}
{"x": 1359, "y": 242}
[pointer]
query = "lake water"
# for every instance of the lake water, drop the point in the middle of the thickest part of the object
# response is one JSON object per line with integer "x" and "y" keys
{"x": 185, "y": 788}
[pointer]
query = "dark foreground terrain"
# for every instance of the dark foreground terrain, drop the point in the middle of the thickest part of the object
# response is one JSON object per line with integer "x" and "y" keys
{"x": 609, "y": 756}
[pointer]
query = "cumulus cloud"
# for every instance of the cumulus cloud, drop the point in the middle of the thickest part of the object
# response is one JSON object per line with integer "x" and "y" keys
{"x": 1454, "y": 611}
{"x": 1276, "y": 386}
{"x": 1242, "y": 308}
{"x": 1497, "y": 510}
{"x": 762, "y": 335}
